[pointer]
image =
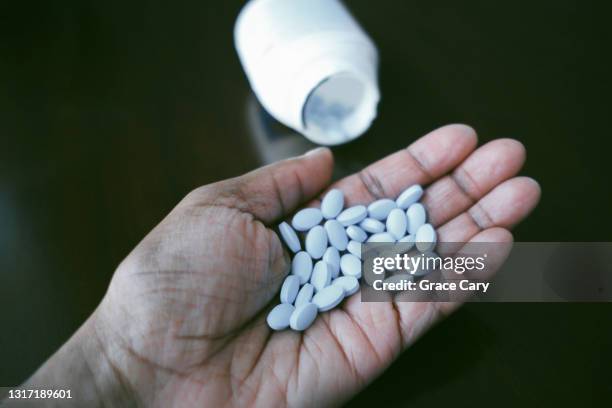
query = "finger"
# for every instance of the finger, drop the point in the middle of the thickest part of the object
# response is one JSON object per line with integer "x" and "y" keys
{"x": 356, "y": 342}
{"x": 487, "y": 167}
{"x": 417, "y": 317}
{"x": 420, "y": 163}
{"x": 505, "y": 206}
{"x": 497, "y": 243}
{"x": 274, "y": 191}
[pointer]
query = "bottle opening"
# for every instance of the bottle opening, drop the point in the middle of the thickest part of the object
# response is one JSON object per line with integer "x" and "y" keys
{"x": 339, "y": 109}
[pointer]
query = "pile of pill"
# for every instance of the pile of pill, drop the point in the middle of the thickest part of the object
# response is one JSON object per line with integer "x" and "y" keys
{"x": 329, "y": 269}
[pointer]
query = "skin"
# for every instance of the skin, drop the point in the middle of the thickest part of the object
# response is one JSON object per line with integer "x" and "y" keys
{"x": 183, "y": 321}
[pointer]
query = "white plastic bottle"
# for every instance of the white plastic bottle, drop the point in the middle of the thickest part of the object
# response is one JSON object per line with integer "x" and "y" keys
{"x": 311, "y": 66}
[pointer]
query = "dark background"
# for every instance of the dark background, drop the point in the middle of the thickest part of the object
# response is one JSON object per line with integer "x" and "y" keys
{"x": 111, "y": 111}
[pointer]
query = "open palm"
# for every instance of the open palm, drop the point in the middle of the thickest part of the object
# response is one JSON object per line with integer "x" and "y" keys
{"x": 185, "y": 312}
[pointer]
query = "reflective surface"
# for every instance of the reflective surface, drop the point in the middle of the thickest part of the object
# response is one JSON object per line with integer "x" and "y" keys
{"x": 111, "y": 111}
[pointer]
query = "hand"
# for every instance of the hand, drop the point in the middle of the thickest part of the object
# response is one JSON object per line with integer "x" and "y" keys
{"x": 183, "y": 322}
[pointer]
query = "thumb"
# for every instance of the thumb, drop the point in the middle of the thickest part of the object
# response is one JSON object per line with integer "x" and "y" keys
{"x": 274, "y": 191}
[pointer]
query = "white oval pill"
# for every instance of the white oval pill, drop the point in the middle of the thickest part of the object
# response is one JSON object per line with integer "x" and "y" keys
{"x": 356, "y": 233}
{"x": 372, "y": 226}
{"x": 380, "y": 209}
{"x": 354, "y": 248}
{"x": 408, "y": 242}
{"x": 303, "y": 316}
{"x": 350, "y": 265}
{"x": 396, "y": 223}
{"x": 427, "y": 266}
{"x": 289, "y": 236}
{"x": 290, "y": 289}
{"x": 336, "y": 234}
{"x": 304, "y": 295}
{"x": 321, "y": 275}
{"x": 349, "y": 284}
{"x": 278, "y": 318}
{"x": 419, "y": 272}
{"x": 382, "y": 237}
{"x": 332, "y": 203}
{"x": 371, "y": 277}
{"x": 332, "y": 257}
{"x": 416, "y": 215}
{"x": 316, "y": 242}
{"x": 352, "y": 215}
{"x": 400, "y": 278}
{"x": 306, "y": 218}
{"x": 425, "y": 238}
{"x": 301, "y": 266}
{"x": 328, "y": 298}
{"x": 409, "y": 196}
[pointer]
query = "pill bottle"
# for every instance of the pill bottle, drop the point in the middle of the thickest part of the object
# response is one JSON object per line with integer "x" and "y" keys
{"x": 311, "y": 66}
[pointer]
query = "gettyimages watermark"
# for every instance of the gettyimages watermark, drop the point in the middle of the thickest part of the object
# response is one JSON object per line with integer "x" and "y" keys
{"x": 492, "y": 272}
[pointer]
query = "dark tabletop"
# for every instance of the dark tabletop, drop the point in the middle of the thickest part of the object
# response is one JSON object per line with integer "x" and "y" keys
{"x": 111, "y": 111}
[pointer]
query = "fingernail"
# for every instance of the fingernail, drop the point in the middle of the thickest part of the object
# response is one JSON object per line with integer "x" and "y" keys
{"x": 316, "y": 150}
